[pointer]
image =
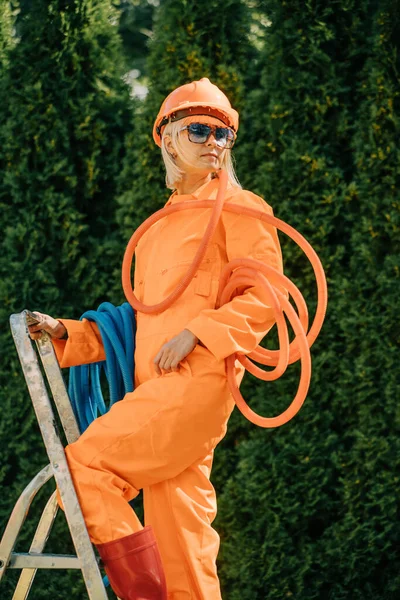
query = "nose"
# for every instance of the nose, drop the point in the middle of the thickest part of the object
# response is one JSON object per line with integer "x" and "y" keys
{"x": 212, "y": 140}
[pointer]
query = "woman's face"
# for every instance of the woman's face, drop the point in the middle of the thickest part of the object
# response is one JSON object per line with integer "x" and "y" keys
{"x": 199, "y": 159}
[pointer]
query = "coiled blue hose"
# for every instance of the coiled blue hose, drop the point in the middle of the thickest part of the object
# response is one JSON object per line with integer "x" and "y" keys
{"x": 117, "y": 327}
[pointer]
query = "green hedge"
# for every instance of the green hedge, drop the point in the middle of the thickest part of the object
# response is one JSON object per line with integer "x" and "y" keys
{"x": 64, "y": 113}
{"x": 310, "y": 510}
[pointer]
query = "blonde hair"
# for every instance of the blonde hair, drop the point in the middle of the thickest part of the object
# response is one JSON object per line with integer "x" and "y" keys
{"x": 173, "y": 172}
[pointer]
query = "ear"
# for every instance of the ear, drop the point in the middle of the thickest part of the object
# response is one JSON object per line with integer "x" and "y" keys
{"x": 170, "y": 149}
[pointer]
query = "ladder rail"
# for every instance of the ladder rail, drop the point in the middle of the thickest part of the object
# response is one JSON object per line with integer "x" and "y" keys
{"x": 58, "y": 390}
{"x": 19, "y": 515}
{"x": 38, "y": 543}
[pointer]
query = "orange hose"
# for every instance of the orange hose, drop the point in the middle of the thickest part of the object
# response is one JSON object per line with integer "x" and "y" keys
{"x": 245, "y": 272}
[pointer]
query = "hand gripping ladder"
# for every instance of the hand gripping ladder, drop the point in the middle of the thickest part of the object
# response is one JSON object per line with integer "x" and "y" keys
{"x": 85, "y": 558}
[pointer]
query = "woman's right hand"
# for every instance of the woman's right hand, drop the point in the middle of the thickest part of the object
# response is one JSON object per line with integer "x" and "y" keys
{"x": 46, "y": 323}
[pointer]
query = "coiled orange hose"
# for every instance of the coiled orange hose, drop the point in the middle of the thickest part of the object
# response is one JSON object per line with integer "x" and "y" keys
{"x": 245, "y": 272}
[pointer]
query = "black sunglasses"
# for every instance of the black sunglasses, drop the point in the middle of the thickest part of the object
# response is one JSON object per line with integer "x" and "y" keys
{"x": 198, "y": 133}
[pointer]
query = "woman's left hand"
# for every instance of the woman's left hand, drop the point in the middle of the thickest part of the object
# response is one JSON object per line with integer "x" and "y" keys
{"x": 172, "y": 352}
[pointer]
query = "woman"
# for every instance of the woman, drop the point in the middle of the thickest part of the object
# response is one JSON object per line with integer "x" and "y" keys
{"x": 161, "y": 437}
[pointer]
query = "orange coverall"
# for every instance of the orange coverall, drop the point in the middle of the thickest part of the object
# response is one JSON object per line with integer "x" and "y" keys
{"x": 161, "y": 437}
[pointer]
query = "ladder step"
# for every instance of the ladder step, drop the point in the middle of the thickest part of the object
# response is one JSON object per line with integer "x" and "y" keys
{"x": 30, "y": 560}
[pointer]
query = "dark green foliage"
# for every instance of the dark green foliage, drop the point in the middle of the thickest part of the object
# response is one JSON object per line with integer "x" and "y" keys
{"x": 64, "y": 111}
{"x": 135, "y": 28}
{"x": 6, "y": 41}
{"x": 310, "y": 511}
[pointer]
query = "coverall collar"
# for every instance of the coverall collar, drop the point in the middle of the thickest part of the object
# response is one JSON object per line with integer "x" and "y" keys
{"x": 205, "y": 191}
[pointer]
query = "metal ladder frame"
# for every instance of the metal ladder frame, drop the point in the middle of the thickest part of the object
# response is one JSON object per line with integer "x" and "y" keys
{"x": 85, "y": 558}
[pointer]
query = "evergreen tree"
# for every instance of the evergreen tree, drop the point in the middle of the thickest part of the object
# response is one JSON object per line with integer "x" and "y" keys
{"x": 367, "y": 398}
{"x": 7, "y": 39}
{"x": 135, "y": 29}
{"x": 309, "y": 511}
{"x": 64, "y": 112}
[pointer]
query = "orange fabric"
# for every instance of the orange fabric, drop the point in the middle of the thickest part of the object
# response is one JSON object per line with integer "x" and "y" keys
{"x": 161, "y": 437}
{"x": 84, "y": 344}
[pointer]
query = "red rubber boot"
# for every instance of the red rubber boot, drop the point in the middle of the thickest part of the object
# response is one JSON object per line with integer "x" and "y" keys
{"x": 134, "y": 568}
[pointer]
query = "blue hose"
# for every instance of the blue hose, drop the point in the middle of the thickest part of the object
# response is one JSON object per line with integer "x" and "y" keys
{"x": 117, "y": 327}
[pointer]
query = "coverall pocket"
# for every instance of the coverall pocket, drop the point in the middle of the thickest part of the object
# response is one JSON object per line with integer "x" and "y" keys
{"x": 184, "y": 369}
{"x": 202, "y": 280}
{"x": 201, "y": 358}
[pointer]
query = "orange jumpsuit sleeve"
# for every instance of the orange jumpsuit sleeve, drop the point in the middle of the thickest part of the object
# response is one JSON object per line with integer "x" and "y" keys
{"x": 240, "y": 325}
{"x": 84, "y": 344}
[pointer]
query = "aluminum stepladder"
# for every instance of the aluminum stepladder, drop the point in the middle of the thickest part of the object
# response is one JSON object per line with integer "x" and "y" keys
{"x": 85, "y": 558}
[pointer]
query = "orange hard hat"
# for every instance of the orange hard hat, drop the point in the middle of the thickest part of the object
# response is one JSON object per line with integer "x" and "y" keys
{"x": 196, "y": 98}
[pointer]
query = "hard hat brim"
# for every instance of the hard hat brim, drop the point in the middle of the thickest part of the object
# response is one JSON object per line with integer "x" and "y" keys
{"x": 230, "y": 114}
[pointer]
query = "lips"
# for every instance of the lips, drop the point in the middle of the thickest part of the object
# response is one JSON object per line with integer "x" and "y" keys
{"x": 210, "y": 154}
